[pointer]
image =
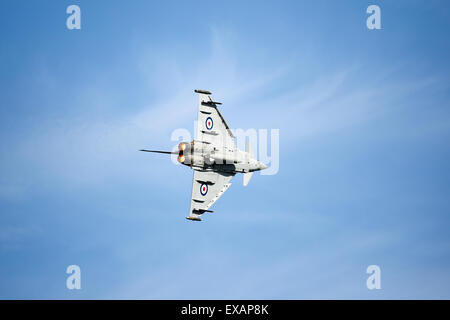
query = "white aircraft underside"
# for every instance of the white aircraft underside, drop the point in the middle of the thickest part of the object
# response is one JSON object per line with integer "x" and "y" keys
{"x": 214, "y": 157}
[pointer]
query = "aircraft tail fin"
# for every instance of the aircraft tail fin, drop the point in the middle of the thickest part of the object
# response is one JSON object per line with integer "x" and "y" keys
{"x": 248, "y": 175}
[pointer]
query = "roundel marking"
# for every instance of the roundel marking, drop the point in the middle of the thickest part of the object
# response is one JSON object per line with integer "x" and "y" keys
{"x": 209, "y": 123}
{"x": 203, "y": 189}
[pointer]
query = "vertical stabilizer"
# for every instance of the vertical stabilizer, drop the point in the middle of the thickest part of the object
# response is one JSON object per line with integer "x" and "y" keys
{"x": 248, "y": 175}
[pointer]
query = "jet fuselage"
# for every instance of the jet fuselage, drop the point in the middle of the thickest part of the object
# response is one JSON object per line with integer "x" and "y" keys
{"x": 197, "y": 154}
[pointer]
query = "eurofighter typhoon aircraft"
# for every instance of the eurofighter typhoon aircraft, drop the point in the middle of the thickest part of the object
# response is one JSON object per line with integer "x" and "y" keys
{"x": 213, "y": 156}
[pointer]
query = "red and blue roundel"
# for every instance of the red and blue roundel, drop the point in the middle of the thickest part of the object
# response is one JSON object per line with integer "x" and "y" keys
{"x": 203, "y": 189}
{"x": 209, "y": 123}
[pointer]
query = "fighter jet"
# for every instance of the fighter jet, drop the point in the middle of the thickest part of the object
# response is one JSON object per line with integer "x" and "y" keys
{"x": 213, "y": 156}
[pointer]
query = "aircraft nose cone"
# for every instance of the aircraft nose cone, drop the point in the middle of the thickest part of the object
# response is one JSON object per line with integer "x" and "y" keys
{"x": 262, "y": 166}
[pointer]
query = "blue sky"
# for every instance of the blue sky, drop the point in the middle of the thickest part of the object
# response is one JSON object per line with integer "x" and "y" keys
{"x": 364, "y": 119}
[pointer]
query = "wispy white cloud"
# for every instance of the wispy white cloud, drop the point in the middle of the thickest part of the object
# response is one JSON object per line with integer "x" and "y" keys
{"x": 84, "y": 150}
